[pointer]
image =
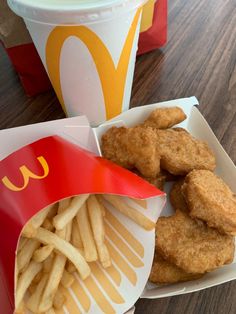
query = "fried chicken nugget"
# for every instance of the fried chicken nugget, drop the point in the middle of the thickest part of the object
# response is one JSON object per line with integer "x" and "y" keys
{"x": 178, "y": 129}
{"x": 181, "y": 153}
{"x": 164, "y": 272}
{"x": 158, "y": 181}
{"x": 168, "y": 176}
{"x": 177, "y": 199}
{"x": 164, "y": 118}
{"x": 133, "y": 148}
{"x": 193, "y": 247}
{"x": 211, "y": 200}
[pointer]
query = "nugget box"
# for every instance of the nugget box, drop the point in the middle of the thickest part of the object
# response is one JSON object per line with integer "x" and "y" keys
{"x": 225, "y": 168}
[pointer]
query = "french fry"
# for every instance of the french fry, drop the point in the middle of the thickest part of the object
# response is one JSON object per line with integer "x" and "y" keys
{"x": 81, "y": 251}
{"x": 26, "y": 253}
{"x": 36, "y": 221}
{"x": 25, "y": 280}
{"x": 47, "y": 224}
{"x": 75, "y": 236}
{"x": 16, "y": 274}
{"x": 42, "y": 253}
{"x": 32, "y": 287}
{"x": 99, "y": 199}
{"x": 96, "y": 219}
{"x": 53, "y": 211}
{"x": 90, "y": 251}
{"x": 38, "y": 277}
{"x": 67, "y": 279}
{"x": 58, "y": 300}
{"x": 68, "y": 231}
{"x": 70, "y": 267}
{"x": 63, "y": 205}
{"x": 65, "y": 233}
{"x": 51, "y": 311}
{"x": 21, "y": 308}
{"x": 60, "y": 240}
{"x": 47, "y": 264}
{"x": 130, "y": 212}
{"x": 21, "y": 243}
{"x": 62, "y": 219}
{"x": 55, "y": 276}
{"x": 33, "y": 301}
{"x": 51, "y": 287}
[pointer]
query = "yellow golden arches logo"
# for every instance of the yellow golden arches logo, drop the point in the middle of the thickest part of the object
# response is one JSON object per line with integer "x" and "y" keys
{"x": 112, "y": 79}
{"x": 27, "y": 174}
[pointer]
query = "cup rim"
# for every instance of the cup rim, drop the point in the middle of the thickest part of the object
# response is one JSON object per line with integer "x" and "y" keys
{"x": 65, "y": 6}
{"x": 74, "y": 13}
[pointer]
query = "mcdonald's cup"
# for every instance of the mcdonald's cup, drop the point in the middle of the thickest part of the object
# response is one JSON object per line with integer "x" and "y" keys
{"x": 88, "y": 49}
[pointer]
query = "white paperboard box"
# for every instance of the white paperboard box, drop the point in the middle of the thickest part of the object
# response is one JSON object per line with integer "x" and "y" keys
{"x": 199, "y": 128}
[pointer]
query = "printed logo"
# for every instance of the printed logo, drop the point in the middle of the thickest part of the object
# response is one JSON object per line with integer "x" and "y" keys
{"x": 27, "y": 174}
{"x": 112, "y": 78}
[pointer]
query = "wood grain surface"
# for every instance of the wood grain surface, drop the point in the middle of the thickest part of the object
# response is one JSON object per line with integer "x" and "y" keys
{"x": 200, "y": 60}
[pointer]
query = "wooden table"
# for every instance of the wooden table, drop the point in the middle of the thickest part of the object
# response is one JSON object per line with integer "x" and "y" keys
{"x": 200, "y": 60}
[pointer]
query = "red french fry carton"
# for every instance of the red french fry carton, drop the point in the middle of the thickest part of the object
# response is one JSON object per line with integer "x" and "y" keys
{"x": 53, "y": 167}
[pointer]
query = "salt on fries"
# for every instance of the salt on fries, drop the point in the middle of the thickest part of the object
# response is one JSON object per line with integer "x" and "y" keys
{"x": 60, "y": 240}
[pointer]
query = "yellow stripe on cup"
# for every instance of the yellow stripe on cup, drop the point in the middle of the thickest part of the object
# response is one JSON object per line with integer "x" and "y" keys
{"x": 123, "y": 247}
{"x": 105, "y": 283}
{"x": 112, "y": 79}
{"x": 122, "y": 264}
{"x": 82, "y": 296}
{"x": 127, "y": 235}
{"x": 98, "y": 296}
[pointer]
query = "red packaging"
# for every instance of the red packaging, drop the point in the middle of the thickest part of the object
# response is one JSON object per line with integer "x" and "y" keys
{"x": 30, "y": 69}
{"x": 42, "y": 173}
{"x": 153, "y": 35}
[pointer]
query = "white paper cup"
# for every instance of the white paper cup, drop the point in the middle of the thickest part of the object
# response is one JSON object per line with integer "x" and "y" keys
{"x": 88, "y": 49}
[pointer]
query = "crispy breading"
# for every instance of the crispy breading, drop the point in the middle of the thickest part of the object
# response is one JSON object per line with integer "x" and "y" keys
{"x": 165, "y": 272}
{"x": 178, "y": 129}
{"x": 181, "y": 153}
{"x": 168, "y": 176}
{"x": 193, "y": 247}
{"x": 210, "y": 199}
{"x": 132, "y": 148}
{"x": 163, "y": 118}
{"x": 177, "y": 199}
{"x": 158, "y": 181}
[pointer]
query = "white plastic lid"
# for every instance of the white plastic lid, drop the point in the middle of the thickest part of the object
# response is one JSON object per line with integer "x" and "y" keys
{"x": 71, "y": 11}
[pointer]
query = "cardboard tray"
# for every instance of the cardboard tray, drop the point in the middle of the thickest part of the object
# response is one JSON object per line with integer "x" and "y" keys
{"x": 199, "y": 128}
